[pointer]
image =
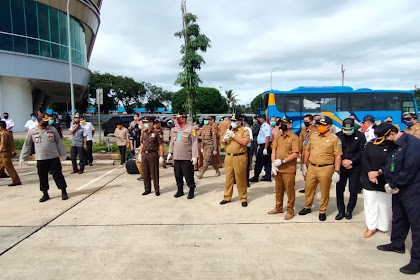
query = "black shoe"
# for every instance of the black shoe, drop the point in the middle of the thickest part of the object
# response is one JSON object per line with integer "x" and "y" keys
{"x": 157, "y": 192}
{"x": 349, "y": 215}
{"x": 15, "y": 184}
{"x": 391, "y": 248}
{"x": 178, "y": 194}
{"x": 140, "y": 178}
{"x": 266, "y": 179}
{"x": 4, "y": 175}
{"x": 410, "y": 269}
{"x": 248, "y": 185}
{"x": 244, "y": 204}
{"x": 305, "y": 211}
{"x": 45, "y": 197}
{"x": 74, "y": 172}
{"x": 90, "y": 164}
{"x": 224, "y": 202}
{"x": 191, "y": 194}
{"x": 64, "y": 195}
{"x": 146, "y": 193}
{"x": 322, "y": 217}
{"x": 253, "y": 179}
{"x": 340, "y": 216}
{"x": 302, "y": 191}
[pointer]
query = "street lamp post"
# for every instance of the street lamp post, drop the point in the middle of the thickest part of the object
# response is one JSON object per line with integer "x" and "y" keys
{"x": 70, "y": 58}
{"x": 271, "y": 84}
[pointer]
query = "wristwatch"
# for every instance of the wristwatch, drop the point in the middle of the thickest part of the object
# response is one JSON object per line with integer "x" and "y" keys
{"x": 338, "y": 171}
{"x": 380, "y": 172}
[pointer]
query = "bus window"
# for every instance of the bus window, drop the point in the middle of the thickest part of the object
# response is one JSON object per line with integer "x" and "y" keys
{"x": 328, "y": 104}
{"x": 361, "y": 102}
{"x": 386, "y": 102}
{"x": 265, "y": 102}
{"x": 408, "y": 106}
{"x": 292, "y": 104}
{"x": 311, "y": 103}
{"x": 343, "y": 102}
{"x": 279, "y": 102}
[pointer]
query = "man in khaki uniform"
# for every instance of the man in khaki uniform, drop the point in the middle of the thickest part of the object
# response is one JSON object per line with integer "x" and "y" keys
{"x": 285, "y": 150}
{"x": 304, "y": 135}
{"x": 209, "y": 147}
{"x": 183, "y": 146}
{"x": 413, "y": 127}
{"x": 216, "y": 128}
{"x": 236, "y": 160}
{"x": 324, "y": 156}
{"x": 7, "y": 147}
{"x": 223, "y": 126}
{"x": 200, "y": 154}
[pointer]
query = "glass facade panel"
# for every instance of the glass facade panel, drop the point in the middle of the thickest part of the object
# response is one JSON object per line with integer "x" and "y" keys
{"x": 30, "y": 27}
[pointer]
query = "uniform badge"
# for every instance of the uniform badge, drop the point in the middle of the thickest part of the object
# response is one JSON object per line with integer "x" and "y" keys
{"x": 193, "y": 131}
{"x": 179, "y": 136}
{"x": 153, "y": 135}
{"x": 356, "y": 138}
{"x": 339, "y": 144}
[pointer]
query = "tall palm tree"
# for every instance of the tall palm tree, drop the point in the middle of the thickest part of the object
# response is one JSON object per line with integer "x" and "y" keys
{"x": 231, "y": 98}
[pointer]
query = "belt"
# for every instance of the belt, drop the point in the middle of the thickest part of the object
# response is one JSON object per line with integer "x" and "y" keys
{"x": 318, "y": 165}
{"x": 148, "y": 152}
{"x": 236, "y": 154}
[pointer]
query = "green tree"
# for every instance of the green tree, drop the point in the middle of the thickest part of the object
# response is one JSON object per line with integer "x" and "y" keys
{"x": 191, "y": 61}
{"x": 156, "y": 97}
{"x": 208, "y": 100}
{"x": 256, "y": 103}
{"x": 231, "y": 99}
{"x": 127, "y": 91}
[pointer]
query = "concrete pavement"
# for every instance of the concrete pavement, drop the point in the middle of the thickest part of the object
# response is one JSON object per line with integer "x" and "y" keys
{"x": 107, "y": 230}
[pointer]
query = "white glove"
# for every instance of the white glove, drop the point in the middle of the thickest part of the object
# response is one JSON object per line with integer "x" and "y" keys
{"x": 169, "y": 157}
{"x": 278, "y": 162}
{"x": 335, "y": 177}
{"x": 265, "y": 152}
{"x": 304, "y": 169}
{"x": 214, "y": 152}
{"x": 139, "y": 157}
{"x": 194, "y": 161}
{"x": 274, "y": 169}
{"x": 202, "y": 151}
{"x": 21, "y": 162}
{"x": 230, "y": 133}
{"x": 161, "y": 160}
{"x": 388, "y": 189}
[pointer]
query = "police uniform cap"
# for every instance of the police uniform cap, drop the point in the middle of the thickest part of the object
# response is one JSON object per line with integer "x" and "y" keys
{"x": 146, "y": 119}
{"x": 348, "y": 124}
{"x": 369, "y": 118}
{"x": 325, "y": 121}
{"x": 234, "y": 117}
{"x": 287, "y": 119}
{"x": 262, "y": 116}
{"x": 181, "y": 115}
{"x": 410, "y": 115}
{"x": 388, "y": 119}
{"x": 381, "y": 131}
{"x": 207, "y": 118}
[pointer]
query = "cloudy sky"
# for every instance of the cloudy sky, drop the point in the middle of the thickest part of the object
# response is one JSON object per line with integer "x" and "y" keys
{"x": 306, "y": 40}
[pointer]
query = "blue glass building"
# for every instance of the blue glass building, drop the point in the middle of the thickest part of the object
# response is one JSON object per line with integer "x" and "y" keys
{"x": 34, "y": 70}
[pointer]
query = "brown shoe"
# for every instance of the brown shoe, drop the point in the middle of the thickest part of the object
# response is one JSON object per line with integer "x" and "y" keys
{"x": 275, "y": 211}
{"x": 288, "y": 216}
{"x": 369, "y": 233}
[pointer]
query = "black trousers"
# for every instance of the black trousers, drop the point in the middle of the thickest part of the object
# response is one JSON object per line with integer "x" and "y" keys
{"x": 184, "y": 169}
{"x": 89, "y": 157}
{"x": 353, "y": 177}
{"x": 248, "y": 150}
{"x": 122, "y": 150}
{"x": 253, "y": 149}
{"x": 53, "y": 165}
{"x": 406, "y": 215}
{"x": 263, "y": 161}
{"x": 81, "y": 152}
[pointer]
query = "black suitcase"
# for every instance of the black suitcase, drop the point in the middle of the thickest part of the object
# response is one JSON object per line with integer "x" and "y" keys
{"x": 131, "y": 165}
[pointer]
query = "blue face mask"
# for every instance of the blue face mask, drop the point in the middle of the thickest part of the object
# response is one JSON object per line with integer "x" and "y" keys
{"x": 206, "y": 122}
{"x": 33, "y": 119}
{"x": 409, "y": 124}
{"x": 348, "y": 132}
{"x": 146, "y": 125}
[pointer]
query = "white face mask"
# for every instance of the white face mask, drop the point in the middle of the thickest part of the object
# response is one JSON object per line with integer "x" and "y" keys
{"x": 234, "y": 124}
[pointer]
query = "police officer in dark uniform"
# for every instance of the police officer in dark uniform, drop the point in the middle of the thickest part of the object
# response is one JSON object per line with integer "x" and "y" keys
{"x": 353, "y": 143}
{"x": 402, "y": 174}
{"x": 151, "y": 156}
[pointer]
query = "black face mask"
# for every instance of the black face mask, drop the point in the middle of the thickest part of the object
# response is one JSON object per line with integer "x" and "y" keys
{"x": 6, "y": 117}
{"x": 44, "y": 124}
{"x": 307, "y": 124}
{"x": 283, "y": 127}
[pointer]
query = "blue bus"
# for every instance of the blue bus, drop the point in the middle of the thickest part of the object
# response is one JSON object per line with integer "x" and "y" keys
{"x": 338, "y": 102}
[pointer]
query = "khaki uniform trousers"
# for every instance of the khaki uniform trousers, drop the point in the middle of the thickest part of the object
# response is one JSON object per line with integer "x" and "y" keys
{"x": 139, "y": 167}
{"x": 307, "y": 164}
{"x": 6, "y": 162}
{"x": 218, "y": 158}
{"x": 235, "y": 168}
{"x": 321, "y": 175}
{"x": 208, "y": 150}
{"x": 200, "y": 158}
{"x": 285, "y": 182}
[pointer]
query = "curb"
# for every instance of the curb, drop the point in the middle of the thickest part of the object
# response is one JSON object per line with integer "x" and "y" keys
{"x": 68, "y": 162}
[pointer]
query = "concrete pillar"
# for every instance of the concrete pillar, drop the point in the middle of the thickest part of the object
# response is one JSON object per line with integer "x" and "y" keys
{"x": 38, "y": 98}
{"x": 45, "y": 104}
{"x": 16, "y": 99}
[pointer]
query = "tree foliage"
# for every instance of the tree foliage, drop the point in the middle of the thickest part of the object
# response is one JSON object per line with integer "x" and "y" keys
{"x": 231, "y": 99}
{"x": 208, "y": 100}
{"x": 156, "y": 97}
{"x": 191, "y": 61}
{"x": 256, "y": 103}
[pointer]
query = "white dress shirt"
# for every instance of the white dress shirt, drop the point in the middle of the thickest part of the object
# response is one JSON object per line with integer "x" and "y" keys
{"x": 89, "y": 128}
{"x": 9, "y": 123}
{"x": 251, "y": 137}
{"x": 31, "y": 124}
{"x": 370, "y": 134}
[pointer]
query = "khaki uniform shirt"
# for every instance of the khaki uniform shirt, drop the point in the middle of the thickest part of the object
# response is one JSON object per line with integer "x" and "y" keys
{"x": 413, "y": 130}
{"x": 304, "y": 135}
{"x": 47, "y": 143}
{"x": 184, "y": 144}
{"x": 233, "y": 147}
{"x": 323, "y": 148}
{"x": 8, "y": 143}
{"x": 223, "y": 126}
{"x": 285, "y": 144}
{"x": 121, "y": 135}
{"x": 209, "y": 136}
{"x": 216, "y": 129}
{"x": 151, "y": 140}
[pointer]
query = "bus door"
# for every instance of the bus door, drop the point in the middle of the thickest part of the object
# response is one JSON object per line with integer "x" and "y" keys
{"x": 293, "y": 109}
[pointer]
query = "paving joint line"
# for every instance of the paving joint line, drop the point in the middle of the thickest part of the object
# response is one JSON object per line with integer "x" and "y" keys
{"x": 62, "y": 213}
